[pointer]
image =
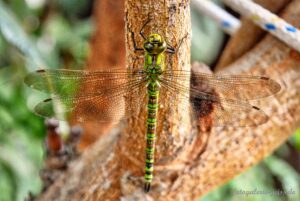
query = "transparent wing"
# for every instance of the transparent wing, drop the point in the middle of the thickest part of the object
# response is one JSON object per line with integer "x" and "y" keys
{"x": 101, "y": 98}
{"x": 65, "y": 83}
{"x": 237, "y": 87}
{"x": 209, "y": 107}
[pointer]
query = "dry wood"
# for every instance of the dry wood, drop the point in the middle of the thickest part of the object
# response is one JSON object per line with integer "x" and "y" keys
{"x": 104, "y": 173}
{"x": 248, "y": 35}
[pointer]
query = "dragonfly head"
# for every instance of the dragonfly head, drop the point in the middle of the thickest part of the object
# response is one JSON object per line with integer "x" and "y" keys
{"x": 155, "y": 44}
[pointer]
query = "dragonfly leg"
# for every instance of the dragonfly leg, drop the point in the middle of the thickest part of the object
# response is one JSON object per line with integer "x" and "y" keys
{"x": 173, "y": 50}
{"x": 136, "y": 48}
{"x": 170, "y": 49}
{"x": 143, "y": 27}
{"x": 135, "y": 59}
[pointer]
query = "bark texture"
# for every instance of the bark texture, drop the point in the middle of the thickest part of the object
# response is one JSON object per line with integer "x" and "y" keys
{"x": 106, "y": 172}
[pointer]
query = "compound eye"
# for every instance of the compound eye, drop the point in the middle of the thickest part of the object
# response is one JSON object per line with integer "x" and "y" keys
{"x": 155, "y": 40}
{"x": 152, "y": 40}
{"x": 148, "y": 46}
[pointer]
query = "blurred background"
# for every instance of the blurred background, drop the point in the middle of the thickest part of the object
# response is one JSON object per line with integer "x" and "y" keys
{"x": 56, "y": 34}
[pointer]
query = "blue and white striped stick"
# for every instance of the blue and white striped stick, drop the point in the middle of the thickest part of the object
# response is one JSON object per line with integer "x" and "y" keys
{"x": 268, "y": 21}
{"x": 226, "y": 21}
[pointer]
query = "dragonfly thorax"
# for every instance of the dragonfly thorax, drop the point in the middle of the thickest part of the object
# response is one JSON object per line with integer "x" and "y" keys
{"x": 154, "y": 73}
{"x": 155, "y": 44}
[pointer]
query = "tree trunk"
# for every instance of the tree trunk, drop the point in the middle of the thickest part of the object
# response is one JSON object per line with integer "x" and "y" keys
{"x": 112, "y": 168}
{"x": 171, "y": 19}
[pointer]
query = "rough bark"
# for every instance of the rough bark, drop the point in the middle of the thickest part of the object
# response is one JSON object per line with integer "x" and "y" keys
{"x": 104, "y": 173}
{"x": 248, "y": 35}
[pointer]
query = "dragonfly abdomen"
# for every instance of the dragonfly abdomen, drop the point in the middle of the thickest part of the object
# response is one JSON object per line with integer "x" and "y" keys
{"x": 153, "y": 95}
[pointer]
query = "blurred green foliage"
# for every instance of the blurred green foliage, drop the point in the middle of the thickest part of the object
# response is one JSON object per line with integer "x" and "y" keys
{"x": 207, "y": 37}
{"x": 41, "y": 33}
{"x": 33, "y": 35}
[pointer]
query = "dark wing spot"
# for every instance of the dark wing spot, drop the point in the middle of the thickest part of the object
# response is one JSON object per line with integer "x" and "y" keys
{"x": 202, "y": 107}
{"x": 41, "y": 71}
{"x": 264, "y": 78}
{"x": 47, "y": 100}
{"x": 255, "y": 107}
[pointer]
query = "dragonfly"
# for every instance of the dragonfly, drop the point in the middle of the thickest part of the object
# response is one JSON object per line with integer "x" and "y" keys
{"x": 221, "y": 97}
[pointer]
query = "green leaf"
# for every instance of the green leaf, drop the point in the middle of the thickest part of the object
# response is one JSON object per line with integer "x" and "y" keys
{"x": 223, "y": 193}
{"x": 25, "y": 174}
{"x": 289, "y": 178}
{"x": 296, "y": 139}
{"x": 7, "y": 183}
{"x": 253, "y": 184}
{"x": 14, "y": 33}
{"x": 72, "y": 8}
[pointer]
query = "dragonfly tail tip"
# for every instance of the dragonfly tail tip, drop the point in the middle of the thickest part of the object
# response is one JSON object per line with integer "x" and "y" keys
{"x": 147, "y": 187}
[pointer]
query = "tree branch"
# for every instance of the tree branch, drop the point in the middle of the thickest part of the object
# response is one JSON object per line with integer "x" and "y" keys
{"x": 248, "y": 35}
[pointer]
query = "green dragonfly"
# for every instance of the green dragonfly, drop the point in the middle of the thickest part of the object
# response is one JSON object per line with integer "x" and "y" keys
{"x": 222, "y": 98}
